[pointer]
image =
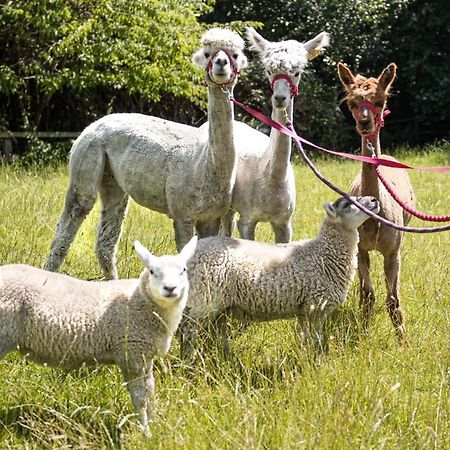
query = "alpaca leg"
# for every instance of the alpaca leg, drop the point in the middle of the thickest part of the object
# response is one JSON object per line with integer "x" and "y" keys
{"x": 392, "y": 274}
{"x": 366, "y": 290}
{"x": 246, "y": 229}
{"x": 282, "y": 231}
{"x": 209, "y": 228}
{"x": 227, "y": 224}
{"x": 184, "y": 230}
{"x": 113, "y": 209}
{"x": 77, "y": 206}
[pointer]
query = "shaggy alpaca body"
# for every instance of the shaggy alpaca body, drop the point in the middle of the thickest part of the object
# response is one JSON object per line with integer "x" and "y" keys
{"x": 254, "y": 281}
{"x": 264, "y": 190}
{"x": 361, "y": 94}
{"x": 182, "y": 171}
{"x": 65, "y": 322}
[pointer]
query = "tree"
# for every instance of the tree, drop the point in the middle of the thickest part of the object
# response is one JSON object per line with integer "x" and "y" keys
{"x": 95, "y": 50}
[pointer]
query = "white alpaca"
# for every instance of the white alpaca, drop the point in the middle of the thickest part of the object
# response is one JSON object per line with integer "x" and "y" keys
{"x": 179, "y": 170}
{"x": 264, "y": 190}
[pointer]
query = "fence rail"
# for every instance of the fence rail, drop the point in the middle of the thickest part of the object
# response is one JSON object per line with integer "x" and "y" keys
{"x": 7, "y": 137}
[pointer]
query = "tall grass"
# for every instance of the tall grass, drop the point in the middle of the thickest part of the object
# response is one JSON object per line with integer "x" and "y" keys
{"x": 369, "y": 391}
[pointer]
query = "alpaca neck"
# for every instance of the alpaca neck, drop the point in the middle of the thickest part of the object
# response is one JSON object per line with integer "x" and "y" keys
{"x": 222, "y": 156}
{"x": 280, "y": 145}
{"x": 369, "y": 178}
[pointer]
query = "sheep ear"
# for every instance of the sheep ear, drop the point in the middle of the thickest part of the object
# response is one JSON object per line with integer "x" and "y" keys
{"x": 345, "y": 75}
{"x": 189, "y": 249}
{"x": 387, "y": 77}
{"x": 144, "y": 254}
{"x": 258, "y": 43}
{"x": 330, "y": 210}
{"x": 314, "y": 45}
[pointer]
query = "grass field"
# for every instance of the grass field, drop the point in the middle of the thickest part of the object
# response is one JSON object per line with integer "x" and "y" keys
{"x": 369, "y": 392}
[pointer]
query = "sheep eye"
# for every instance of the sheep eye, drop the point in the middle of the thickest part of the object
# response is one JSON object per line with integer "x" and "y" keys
{"x": 352, "y": 105}
{"x": 378, "y": 104}
{"x": 207, "y": 55}
{"x": 152, "y": 272}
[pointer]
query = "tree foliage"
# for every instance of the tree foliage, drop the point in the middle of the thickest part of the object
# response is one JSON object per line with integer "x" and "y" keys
{"x": 367, "y": 35}
{"x": 68, "y": 48}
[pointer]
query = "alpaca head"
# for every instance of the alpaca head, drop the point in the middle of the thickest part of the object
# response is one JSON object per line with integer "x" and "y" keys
{"x": 364, "y": 92}
{"x": 284, "y": 62}
{"x": 221, "y": 56}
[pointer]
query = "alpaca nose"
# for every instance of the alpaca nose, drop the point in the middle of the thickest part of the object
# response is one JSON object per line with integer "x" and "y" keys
{"x": 222, "y": 62}
{"x": 280, "y": 98}
{"x": 373, "y": 200}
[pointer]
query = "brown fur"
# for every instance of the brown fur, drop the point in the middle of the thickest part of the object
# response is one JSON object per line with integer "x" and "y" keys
{"x": 373, "y": 235}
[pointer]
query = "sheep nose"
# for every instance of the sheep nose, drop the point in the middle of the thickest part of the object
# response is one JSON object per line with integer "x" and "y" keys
{"x": 169, "y": 289}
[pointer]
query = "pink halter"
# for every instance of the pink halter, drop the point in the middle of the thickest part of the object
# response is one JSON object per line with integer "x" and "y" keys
{"x": 283, "y": 76}
{"x": 379, "y": 117}
{"x": 234, "y": 67}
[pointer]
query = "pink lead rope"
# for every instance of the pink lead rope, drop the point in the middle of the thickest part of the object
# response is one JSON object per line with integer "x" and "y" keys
{"x": 288, "y": 130}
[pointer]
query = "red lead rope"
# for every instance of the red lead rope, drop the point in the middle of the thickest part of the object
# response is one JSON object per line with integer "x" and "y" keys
{"x": 375, "y": 161}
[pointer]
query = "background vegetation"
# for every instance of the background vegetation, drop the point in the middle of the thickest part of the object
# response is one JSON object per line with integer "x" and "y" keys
{"x": 64, "y": 64}
{"x": 369, "y": 392}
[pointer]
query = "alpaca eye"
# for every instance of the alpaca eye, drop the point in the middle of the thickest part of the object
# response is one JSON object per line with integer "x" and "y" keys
{"x": 378, "y": 104}
{"x": 235, "y": 56}
{"x": 151, "y": 272}
{"x": 207, "y": 54}
{"x": 297, "y": 74}
{"x": 352, "y": 105}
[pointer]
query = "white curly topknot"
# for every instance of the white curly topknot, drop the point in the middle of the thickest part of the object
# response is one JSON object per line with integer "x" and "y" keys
{"x": 223, "y": 38}
{"x": 285, "y": 56}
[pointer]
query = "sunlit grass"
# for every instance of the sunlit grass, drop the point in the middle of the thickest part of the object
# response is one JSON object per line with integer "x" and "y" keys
{"x": 369, "y": 392}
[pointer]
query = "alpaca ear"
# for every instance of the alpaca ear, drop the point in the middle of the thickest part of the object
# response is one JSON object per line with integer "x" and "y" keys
{"x": 314, "y": 45}
{"x": 345, "y": 75}
{"x": 258, "y": 43}
{"x": 330, "y": 210}
{"x": 198, "y": 58}
{"x": 387, "y": 77}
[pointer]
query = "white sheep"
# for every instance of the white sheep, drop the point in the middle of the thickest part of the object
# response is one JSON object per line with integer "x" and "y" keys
{"x": 254, "y": 281}
{"x": 66, "y": 322}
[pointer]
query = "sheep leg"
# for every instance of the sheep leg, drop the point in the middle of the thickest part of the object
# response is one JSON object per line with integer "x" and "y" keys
{"x": 6, "y": 345}
{"x": 227, "y": 224}
{"x": 207, "y": 228}
{"x": 366, "y": 290}
{"x": 246, "y": 229}
{"x": 282, "y": 231}
{"x": 77, "y": 206}
{"x": 187, "y": 332}
{"x": 392, "y": 274}
{"x": 141, "y": 386}
{"x": 310, "y": 330}
{"x": 114, "y": 203}
{"x": 184, "y": 230}
{"x": 219, "y": 332}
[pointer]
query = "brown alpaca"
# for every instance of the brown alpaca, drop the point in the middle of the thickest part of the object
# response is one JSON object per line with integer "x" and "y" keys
{"x": 366, "y": 98}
